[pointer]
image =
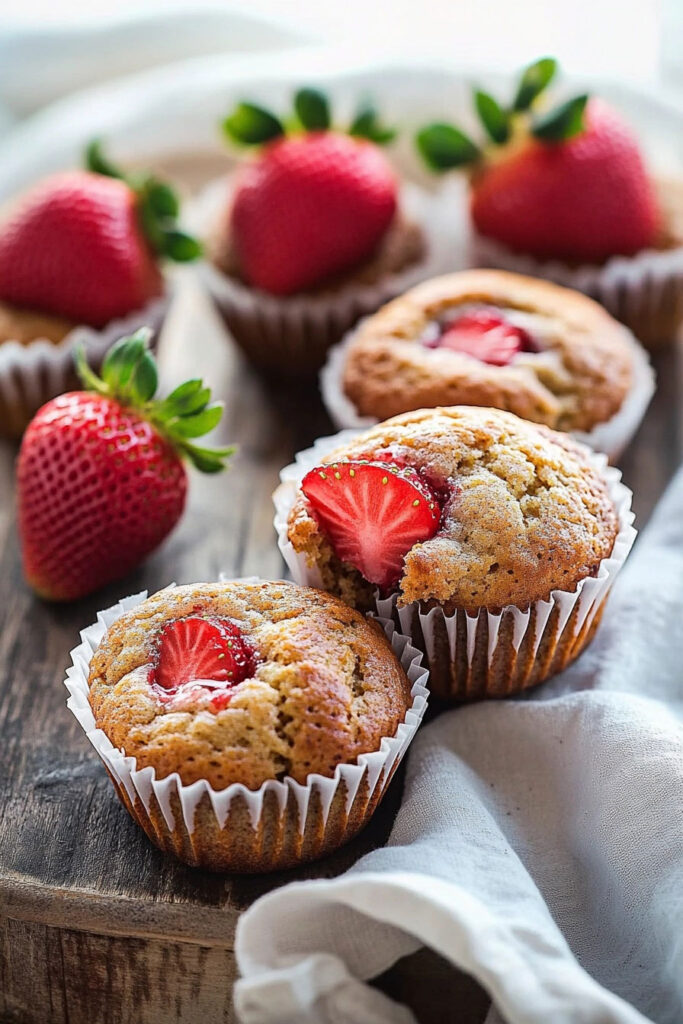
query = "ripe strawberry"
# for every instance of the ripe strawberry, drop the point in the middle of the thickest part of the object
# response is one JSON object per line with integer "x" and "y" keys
{"x": 100, "y": 476}
{"x": 86, "y": 245}
{"x": 197, "y": 657}
{"x": 485, "y": 335}
{"x": 570, "y": 184}
{"x": 311, "y": 205}
{"x": 373, "y": 513}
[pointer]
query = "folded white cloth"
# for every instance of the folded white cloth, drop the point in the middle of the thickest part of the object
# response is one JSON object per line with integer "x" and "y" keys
{"x": 539, "y": 845}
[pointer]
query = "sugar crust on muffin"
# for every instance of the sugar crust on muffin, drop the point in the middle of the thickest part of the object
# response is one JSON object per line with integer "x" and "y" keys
{"x": 525, "y": 511}
{"x": 578, "y": 379}
{"x": 327, "y": 687}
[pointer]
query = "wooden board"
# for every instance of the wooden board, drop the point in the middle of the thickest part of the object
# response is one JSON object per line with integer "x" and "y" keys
{"x": 96, "y": 925}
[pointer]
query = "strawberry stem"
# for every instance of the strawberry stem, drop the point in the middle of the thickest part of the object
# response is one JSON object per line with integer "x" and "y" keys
{"x": 158, "y": 207}
{"x": 129, "y": 377}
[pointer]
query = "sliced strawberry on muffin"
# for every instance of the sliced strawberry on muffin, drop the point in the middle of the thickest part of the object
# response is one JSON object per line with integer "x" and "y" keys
{"x": 560, "y": 191}
{"x": 313, "y": 231}
{"x": 101, "y": 479}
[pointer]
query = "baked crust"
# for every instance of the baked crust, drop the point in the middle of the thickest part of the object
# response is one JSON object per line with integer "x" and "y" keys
{"x": 27, "y": 325}
{"x": 327, "y": 687}
{"x": 579, "y": 380}
{"x": 526, "y": 512}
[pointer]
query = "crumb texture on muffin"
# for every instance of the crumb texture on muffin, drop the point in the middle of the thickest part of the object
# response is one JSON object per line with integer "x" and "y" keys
{"x": 579, "y": 378}
{"x": 327, "y": 687}
{"x": 524, "y": 513}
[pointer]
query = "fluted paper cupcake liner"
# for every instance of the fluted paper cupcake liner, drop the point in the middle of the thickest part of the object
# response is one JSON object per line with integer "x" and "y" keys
{"x": 489, "y": 653}
{"x": 282, "y": 823}
{"x": 610, "y": 437}
{"x": 291, "y": 335}
{"x": 32, "y": 374}
{"x": 644, "y": 292}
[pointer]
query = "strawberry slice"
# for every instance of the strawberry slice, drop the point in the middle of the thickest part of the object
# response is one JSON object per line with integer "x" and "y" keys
{"x": 201, "y": 656}
{"x": 373, "y": 513}
{"x": 487, "y": 336}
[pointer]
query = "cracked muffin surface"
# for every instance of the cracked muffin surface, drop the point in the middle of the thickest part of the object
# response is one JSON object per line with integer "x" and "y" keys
{"x": 524, "y": 511}
{"x": 578, "y": 375}
{"x": 326, "y": 687}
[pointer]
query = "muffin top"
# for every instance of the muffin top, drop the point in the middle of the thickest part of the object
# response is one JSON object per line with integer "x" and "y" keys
{"x": 523, "y": 511}
{"x": 309, "y": 683}
{"x": 26, "y": 326}
{"x": 492, "y": 338}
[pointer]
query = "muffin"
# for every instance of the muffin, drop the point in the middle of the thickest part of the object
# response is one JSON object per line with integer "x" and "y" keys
{"x": 492, "y": 541}
{"x": 490, "y": 338}
{"x": 247, "y": 725}
{"x": 565, "y": 193}
{"x": 311, "y": 232}
{"x": 80, "y": 262}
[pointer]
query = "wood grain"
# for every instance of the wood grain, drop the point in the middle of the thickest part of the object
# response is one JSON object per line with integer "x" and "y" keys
{"x": 97, "y": 925}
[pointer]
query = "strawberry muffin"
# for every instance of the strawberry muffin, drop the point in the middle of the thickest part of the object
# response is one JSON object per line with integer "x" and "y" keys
{"x": 310, "y": 233}
{"x": 493, "y": 541}
{"x": 274, "y": 713}
{"x": 81, "y": 258}
{"x": 490, "y": 338}
{"x": 565, "y": 193}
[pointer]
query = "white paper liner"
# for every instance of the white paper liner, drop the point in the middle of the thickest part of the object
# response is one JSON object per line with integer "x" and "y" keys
{"x": 288, "y": 332}
{"x": 644, "y": 291}
{"x": 32, "y": 374}
{"x": 610, "y": 437}
{"x": 377, "y": 766}
{"x": 579, "y": 606}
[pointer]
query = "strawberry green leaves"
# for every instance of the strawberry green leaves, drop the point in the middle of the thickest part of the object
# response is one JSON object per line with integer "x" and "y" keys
{"x": 561, "y": 123}
{"x": 158, "y": 207}
{"x": 313, "y": 109}
{"x": 443, "y": 146}
{"x": 535, "y": 79}
{"x": 129, "y": 376}
{"x": 251, "y": 125}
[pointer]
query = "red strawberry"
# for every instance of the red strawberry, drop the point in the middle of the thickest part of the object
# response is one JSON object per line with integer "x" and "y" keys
{"x": 100, "y": 475}
{"x": 74, "y": 245}
{"x": 311, "y": 205}
{"x": 583, "y": 199}
{"x": 569, "y": 184}
{"x": 485, "y": 335}
{"x": 197, "y": 650}
{"x": 373, "y": 513}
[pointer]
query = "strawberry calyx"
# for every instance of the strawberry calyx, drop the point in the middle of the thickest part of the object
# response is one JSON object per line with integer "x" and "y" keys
{"x": 444, "y": 146}
{"x": 373, "y": 512}
{"x": 129, "y": 376}
{"x": 199, "y": 657}
{"x": 158, "y": 207}
{"x": 249, "y": 124}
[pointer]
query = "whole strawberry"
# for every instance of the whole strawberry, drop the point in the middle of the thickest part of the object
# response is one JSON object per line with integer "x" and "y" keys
{"x": 86, "y": 245}
{"x": 313, "y": 203}
{"x": 569, "y": 184}
{"x": 100, "y": 475}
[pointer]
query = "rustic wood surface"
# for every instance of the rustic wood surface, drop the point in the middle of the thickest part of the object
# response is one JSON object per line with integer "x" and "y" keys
{"x": 96, "y": 925}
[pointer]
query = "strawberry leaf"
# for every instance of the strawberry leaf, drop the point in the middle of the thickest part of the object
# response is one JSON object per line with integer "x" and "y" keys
{"x": 208, "y": 460}
{"x": 367, "y": 125}
{"x": 250, "y": 125}
{"x": 180, "y": 247}
{"x": 495, "y": 120}
{"x": 313, "y": 109}
{"x": 98, "y": 163}
{"x": 443, "y": 146}
{"x": 122, "y": 359}
{"x": 144, "y": 379}
{"x": 187, "y": 398}
{"x": 199, "y": 423}
{"x": 561, "y": 123}
{"x": 162, "y": 198}
{"x": 535, "y": 78}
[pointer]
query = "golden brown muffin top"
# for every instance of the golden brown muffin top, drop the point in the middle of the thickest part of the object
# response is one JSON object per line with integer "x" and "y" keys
{"x": 579, "y": 378}
{"x": 327, "y": 687}
{"x": 525, "y": 511}
{"x": 26, "y": 325}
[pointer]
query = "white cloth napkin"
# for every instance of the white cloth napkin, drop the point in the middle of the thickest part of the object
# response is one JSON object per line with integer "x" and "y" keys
{"x": 539, "y": 845}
